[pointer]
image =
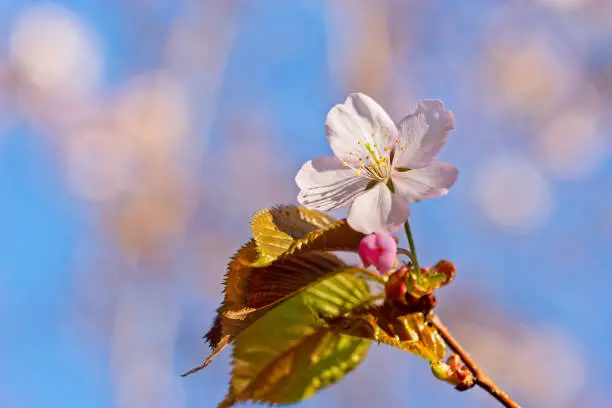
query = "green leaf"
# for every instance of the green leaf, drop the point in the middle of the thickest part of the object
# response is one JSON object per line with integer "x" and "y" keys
{"x": 287, "y": 356}
{"x": 382, "y": 324}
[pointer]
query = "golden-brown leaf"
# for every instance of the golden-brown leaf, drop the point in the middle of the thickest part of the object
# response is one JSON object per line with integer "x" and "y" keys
{"x": 407, "y": 332}
{"x": 252, "y": 292}
{"x": 287, "y": 255}
{"x": 275, "y": 230}
{"x": 285, "y": 230}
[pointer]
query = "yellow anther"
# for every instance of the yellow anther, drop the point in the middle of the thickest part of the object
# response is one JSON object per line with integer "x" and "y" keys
{"x": 358, "y": 173}
{"x": 362, "y": 165}
{"x": 387, "y": 149}
{"x": 396, "y": 140}
{"x": 386, "y": 134}
{"x": 359, "y": 142}
{"x": 367, "y": 157}
{"x": 375, "y": 145}
{"x": 372, "y": 133}
{"x": 345, "y": 164}
{"x": 402, "y": 148}
{"x": 350, "y": 153}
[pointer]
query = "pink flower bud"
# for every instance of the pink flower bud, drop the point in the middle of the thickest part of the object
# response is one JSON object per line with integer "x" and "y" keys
{"x": 380, "y": 250}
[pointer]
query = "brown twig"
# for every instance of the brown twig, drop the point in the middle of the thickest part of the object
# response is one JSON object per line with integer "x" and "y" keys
{"x": 482, "y": 380}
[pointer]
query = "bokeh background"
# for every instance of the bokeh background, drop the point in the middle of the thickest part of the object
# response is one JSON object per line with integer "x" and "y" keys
{"x": 137, "y": 137}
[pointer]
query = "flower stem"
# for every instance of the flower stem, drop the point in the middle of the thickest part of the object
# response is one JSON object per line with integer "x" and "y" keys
{"x": 407, "y": 253}
{"x": 417, "y": 269}
{"x": 481, "y": 379}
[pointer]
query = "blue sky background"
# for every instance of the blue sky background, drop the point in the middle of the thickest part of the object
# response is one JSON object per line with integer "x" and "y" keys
{"x": 548, "y": 273}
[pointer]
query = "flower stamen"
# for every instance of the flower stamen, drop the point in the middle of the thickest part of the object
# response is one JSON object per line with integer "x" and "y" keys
{"x": 373, "y": 162}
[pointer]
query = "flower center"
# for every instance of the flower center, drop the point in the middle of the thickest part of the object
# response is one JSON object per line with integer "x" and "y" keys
{"x": 372, "y": 161}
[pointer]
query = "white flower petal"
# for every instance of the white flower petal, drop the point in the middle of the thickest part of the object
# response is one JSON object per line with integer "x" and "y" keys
{"x": 326, "y": 185}
{"x": 429, "y": 182}
{"x": 422, "y": 134}
{"x": 373, "y": 117}
{"x": 378, "y": 210}
{"x": 359, "y": 119}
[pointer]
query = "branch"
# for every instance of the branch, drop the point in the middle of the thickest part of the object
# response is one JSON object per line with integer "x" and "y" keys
{"x": 481, "y": 379}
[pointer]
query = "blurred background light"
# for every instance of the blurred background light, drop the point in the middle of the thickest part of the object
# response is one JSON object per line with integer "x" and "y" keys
{"x": 137, "y": 139}
{"x": 513, "y": 193}
{"x": 54, "y": 51}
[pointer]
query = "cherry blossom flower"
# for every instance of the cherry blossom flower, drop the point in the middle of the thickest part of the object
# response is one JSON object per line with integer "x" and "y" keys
{"x": 378, "y": 167}
{"x": 379, "y": 249}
